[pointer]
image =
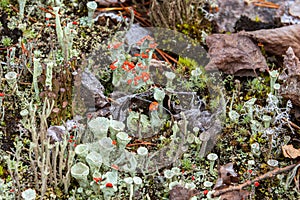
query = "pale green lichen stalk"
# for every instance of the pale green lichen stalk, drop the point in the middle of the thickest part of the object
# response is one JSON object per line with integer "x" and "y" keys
{"x": 37, "y": 71}
{"x": 21, "y": 7}
{"x": 49, "y": 71}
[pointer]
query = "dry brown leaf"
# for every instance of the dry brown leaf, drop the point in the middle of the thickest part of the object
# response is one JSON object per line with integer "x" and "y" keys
{"x": 226, "y": 177}
{"x": 294, "y": 10}
{"x": 278, "y": 40}
{"x": 234, "y": 54}
{"x": 235, "y": 195}
{"x": 290, "y": 88}
{"x": 109, "y": 2}
{"x": 179, "y": 192}
{"x": 290, "y": 152}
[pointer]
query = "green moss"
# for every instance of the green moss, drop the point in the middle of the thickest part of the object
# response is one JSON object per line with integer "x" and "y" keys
{"x": 186, "y": 164}
{"x": 6, "y": 41}
{"x": 185, "y": 65}
{"x": 4, "y": 3}
{"x": 1, "y": 171}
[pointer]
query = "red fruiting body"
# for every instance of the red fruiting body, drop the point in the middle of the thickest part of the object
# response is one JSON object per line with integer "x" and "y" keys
{"x": 145, "y": 76}
{"x": 153, "y": 106}
{"x": 153, "y": 46}
{"x": 127, "y": 66}
{"x": 256, "y": 184}
{"x": 115, "y": 167}
{"x": 117, "y": 45}
{"x": 110, "y": 185}
{"x": 113, "y": 67}
{"x": 97, "y": 179}
{"x": 129, "y": 81}
{"x": 143, "y": 55}
{"x": 75, "y": 23}
{"x": 205, "y": 192}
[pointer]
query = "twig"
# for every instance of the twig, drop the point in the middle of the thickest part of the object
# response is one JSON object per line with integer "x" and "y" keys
{"x": 292, "y": 124}
{"x": 169, "y": 57}
{"x": 266, "y": 4}
{"x": 141, "y": 143}
{"x": 162, "y": 54}
{"x": 247, "y": 183}
{"x": 47, "y": 11}
{"x": 16, "y": 10}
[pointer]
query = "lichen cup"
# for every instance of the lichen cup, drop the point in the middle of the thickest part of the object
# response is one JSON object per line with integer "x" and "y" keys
{"x": 106, "y": 147}
{"x": 143, "y": 155}
{"x": 11, "y": 79}
{"x": 99, "y": 127}
{"x": 137, "y": 182}
{"x": 80, "y": 171}
{"x": 94, "y": 160}
{"x": 91, "y": 6}
{"x": 29, "y": 194}
{"x": 95, "y": 184}
{"x": 122, "y": 140}
{"x": 115, "y": 127}
{"x": 82, "y": 150}
{"x": 109, "y": 186}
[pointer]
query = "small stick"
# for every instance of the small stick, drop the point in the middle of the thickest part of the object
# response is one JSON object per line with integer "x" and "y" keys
{"x": 47, "y": 11}
{"x": 137, "y": 15}
{"x": 112, "y": 9}
{"x": 292, "y": 124}
{"x": 269, "y": 174}
{"x": 142, "y": 143}
{"x": 170, "y": 57}
{"x": 16, "y": 10}
{"x": 266, "y": 5}
{"x": 162, "y": 54}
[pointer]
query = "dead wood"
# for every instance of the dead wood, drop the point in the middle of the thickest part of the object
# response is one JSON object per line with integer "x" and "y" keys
{"x": 250, "y": 182}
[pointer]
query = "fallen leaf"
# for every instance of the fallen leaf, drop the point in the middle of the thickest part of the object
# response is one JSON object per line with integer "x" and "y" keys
{"x": 234, "y": 54}
{"x": 291, "y": 62}
{"x": 109, "y": 2}
{"x": 226, "y": 177}
{"x": 290, "y": 152}
{"x": 179, "y": 192}
{"x": 235, "y": 195}
{"x": 294, "y": 10}
{"x": 291, "y": 79}
{"x": 278, "y": 40}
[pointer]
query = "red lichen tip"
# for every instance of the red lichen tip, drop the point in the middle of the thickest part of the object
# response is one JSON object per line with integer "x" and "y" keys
{"x": 110, "y": 185}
